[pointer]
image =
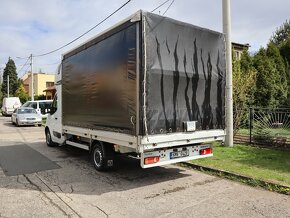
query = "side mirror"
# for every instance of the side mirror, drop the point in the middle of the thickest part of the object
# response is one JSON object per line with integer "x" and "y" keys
{"x": 51, "y": 110}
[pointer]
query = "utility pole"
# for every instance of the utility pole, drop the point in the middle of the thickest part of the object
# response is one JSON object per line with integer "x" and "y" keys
{"x": 229, "y": 83}
{"x": 32, "y": 80}
{"x": 8, "y": 85}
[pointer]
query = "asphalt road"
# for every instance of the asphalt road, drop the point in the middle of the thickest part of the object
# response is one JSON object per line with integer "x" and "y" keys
{"x": 76, "y": 189}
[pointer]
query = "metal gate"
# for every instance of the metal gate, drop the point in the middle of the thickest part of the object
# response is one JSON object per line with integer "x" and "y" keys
{"x": 264, "y": 126}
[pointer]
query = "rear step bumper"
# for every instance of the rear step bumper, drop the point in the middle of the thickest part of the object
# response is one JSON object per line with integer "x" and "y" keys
{"x": 175, "y": 155}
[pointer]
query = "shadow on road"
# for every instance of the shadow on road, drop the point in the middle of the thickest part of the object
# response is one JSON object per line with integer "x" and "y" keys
{"x": 77, "y": 174}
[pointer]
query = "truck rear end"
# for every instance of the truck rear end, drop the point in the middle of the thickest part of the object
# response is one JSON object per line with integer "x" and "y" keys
{"x": 183, "y": 91}
{"x": 149, "y": 86}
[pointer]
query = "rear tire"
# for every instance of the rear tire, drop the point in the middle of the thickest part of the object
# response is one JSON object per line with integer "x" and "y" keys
{"x": 102, "y": 156}
{"x": 48, "y": 139}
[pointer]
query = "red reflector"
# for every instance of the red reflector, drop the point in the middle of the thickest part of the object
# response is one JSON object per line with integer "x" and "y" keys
{"x": 151, "y": 160}
{"x": 205, "y": 151}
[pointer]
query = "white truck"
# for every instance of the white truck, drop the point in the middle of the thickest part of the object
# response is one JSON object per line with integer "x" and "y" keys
{"x": 150, "y": 86}
{"x": 9, "y": 105}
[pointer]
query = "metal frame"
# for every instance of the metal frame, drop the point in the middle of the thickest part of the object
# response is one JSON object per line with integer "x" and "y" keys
{"x": 182, "y": 138}
{"x": 172, "y": 161}
{"x": 105, "y": 136}
{"x": 144, "y": 81}
{"x": 141, "y": 144}
{"x": 137, "y": 78}
{"x": 133, "y": 18}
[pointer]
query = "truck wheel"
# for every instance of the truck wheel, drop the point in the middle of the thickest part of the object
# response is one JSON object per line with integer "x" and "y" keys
{"x": 98, "y": 158}
{"x": 48, "y": 140}
{"x": 102, "y": 156}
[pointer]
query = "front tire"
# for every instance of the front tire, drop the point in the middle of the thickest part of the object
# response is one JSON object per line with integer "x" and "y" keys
{"x": 48, "y": 139}
{"x": 17, "y": 123}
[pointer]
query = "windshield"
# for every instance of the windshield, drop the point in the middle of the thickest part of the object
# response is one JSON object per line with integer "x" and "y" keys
{"x": 26, "y": 104}
{"x": 26, "y": 111}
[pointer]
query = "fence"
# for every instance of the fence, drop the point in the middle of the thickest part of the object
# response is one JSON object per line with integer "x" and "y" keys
{"x": 263, "y": 126}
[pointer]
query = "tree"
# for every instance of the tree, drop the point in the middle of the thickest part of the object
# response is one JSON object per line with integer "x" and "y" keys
{"x": 285, "y": 49}
{"x": 280, "y": 79}
{"x": 266, "y": 82}
{"x": 1, "y": 95}
{"x": 21, "y": 93}
{"x": 281, "y": 34}
{"x": 281, "y": 38}
{"x": 244, "y": 79}
{"x": 10, "y": 69}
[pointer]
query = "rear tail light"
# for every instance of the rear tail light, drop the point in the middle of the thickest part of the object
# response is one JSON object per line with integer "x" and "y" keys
{"x": 151, "y": 160}
{"x": 205, "y": 151}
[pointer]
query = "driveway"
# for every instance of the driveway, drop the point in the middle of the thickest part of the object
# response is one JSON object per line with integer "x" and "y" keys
{"x": 71, "y": 187}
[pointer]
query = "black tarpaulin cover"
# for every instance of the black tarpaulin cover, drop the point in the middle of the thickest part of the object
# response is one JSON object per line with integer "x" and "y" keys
{"x": 99, "y": 83}
{"x": 185, "y": 78}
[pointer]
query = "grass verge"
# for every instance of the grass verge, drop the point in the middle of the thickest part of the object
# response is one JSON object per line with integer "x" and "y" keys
{"x": 263, "y": 167}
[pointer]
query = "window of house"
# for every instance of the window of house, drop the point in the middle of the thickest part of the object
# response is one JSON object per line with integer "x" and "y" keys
{"x": 49, "y": 84}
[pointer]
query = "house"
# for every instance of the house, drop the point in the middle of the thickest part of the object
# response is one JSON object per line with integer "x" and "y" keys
{"x": 238, "y": 49}
{"x": 42, "y": 82}
{"x": 50, "y": 92}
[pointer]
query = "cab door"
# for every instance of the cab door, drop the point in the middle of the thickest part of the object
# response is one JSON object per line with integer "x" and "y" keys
{"x": 54, "y": 122}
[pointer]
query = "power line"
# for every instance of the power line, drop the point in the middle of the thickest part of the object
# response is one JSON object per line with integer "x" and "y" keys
{"x": 23, "y": 65}
{"x": 160, "y": 6}
{"x": 168, "y": 7}
{"x": 47, "y": 53}
{"x": 24, "y": 72}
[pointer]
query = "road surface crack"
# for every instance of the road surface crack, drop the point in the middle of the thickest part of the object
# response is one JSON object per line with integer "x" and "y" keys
{"x": 58, "y": 197}
{"x": 48, "y": 198}
{"x": 180, "y": 188}
{"x": 107, "y": 215}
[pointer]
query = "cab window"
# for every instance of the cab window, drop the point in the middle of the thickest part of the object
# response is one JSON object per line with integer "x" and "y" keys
{"x": 54, "y": 105}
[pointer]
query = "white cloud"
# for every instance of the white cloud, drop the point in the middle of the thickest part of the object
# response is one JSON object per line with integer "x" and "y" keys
{"x": 33, "y": 26}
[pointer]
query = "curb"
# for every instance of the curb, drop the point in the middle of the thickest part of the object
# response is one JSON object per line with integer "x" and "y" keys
{"x": 270, "y": 186}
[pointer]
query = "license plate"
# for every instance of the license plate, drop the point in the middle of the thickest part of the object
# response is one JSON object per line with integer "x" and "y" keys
{"x": 30, "y": 119}
{"x": 178, "y": 154}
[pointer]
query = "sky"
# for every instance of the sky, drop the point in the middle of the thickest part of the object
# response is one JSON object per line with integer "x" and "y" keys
{"x": 36, "y": 27}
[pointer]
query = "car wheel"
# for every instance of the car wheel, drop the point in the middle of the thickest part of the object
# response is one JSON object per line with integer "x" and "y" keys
{"x": 17, "y": 123}
{"x": 39, "y": 125}
{"x": 48, "y": 140}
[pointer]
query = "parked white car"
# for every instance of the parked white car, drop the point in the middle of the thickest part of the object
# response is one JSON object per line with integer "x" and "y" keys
{"x": 26, "y": 116}
{"x": 41, "y": 106}
{"x": 9, "y": 105}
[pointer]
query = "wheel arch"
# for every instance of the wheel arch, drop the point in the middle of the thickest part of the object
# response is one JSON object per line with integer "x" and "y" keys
{"x": 106, "y": 146}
